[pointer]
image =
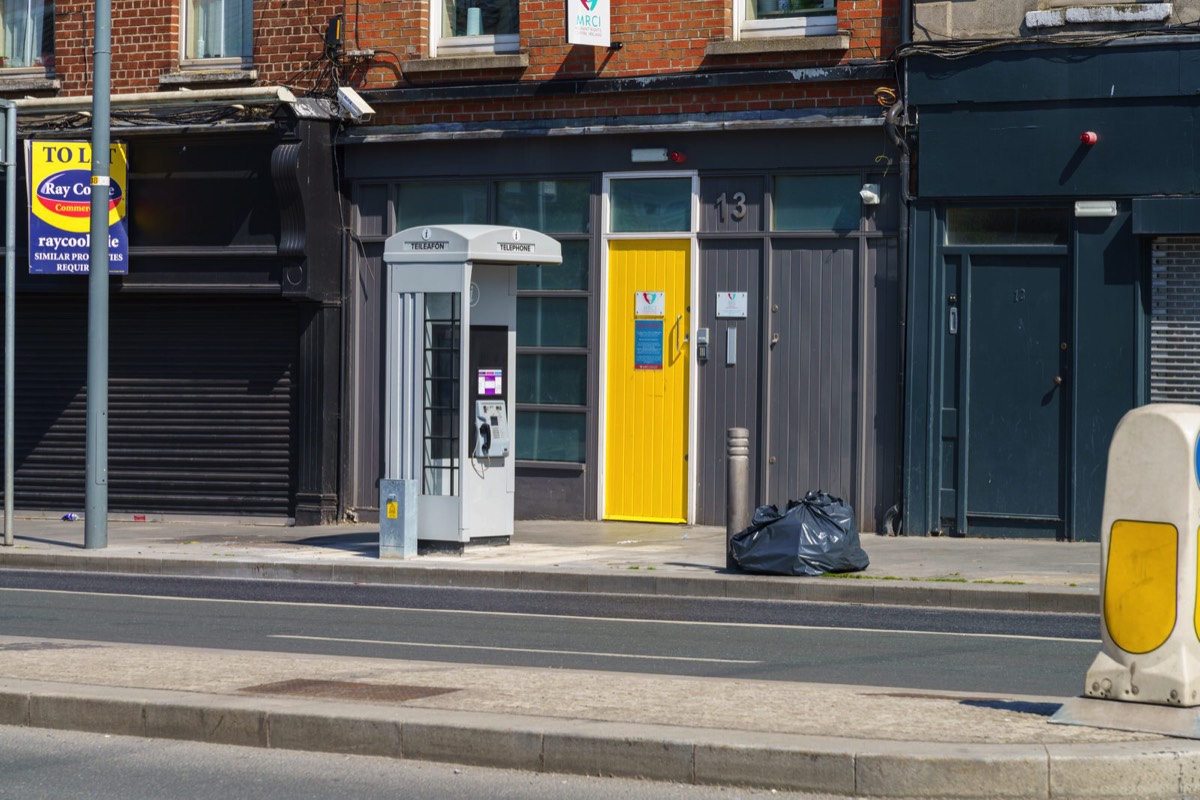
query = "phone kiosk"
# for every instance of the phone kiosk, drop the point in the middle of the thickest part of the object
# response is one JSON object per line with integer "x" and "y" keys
{"x": 449, "y": 364}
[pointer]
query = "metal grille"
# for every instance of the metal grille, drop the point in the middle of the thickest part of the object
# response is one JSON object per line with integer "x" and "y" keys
{"x": 200, "y": 404}
{"x": 443, "y": 339}
{"x": 1175, "y": 320}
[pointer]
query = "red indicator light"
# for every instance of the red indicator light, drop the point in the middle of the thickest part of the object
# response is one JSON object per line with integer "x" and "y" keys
{"x": 1089, "y": 137}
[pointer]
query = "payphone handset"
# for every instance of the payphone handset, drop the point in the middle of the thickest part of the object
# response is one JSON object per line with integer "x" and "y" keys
{"x": 491, "y": 422}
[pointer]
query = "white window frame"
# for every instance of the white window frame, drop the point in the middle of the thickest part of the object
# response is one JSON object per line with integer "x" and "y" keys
{"x": 811, "y": 25}
{"x": 224, "y": 61}
{"x": 32, "y": 68}
{"x": 447, "y": 46}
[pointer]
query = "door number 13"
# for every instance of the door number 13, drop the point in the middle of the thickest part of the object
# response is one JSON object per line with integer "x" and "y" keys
{"x": 735, "y": 211}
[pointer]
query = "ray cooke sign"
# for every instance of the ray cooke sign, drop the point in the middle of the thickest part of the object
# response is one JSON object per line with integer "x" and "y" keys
{"x": 60, "y": 203}
{"x": 588, "y": 22}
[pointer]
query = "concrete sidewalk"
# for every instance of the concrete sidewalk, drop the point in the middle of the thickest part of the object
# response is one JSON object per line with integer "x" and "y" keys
{"x": 583, "y": 556}
{"x": 845, "y": 740}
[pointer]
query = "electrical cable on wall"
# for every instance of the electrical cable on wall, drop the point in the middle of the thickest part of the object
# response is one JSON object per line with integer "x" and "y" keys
{"x": 963, "y": 48}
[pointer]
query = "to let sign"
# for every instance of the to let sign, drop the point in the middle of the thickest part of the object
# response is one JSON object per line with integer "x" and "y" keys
{"x": 60, "y": 201}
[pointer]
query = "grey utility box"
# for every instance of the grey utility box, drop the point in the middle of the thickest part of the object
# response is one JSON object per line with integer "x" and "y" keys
{"x": 449, "y": 389}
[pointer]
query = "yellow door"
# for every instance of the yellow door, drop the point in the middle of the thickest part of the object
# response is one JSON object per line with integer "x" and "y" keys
{"x": 646, "y": 412}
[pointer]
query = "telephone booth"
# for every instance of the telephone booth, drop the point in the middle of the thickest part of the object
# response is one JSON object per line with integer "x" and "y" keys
{"x": 449, "y": 368}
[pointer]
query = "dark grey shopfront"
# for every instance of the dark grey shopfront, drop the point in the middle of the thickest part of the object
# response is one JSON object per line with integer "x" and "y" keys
{"x": 1051, "y": 274}
{"x": 1025, "y": 351}
{"x": 224, "y": 336}
{"x": 811, "y": 367}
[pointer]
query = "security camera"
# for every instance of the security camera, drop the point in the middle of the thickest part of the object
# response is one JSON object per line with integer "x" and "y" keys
{"x": 870, "y": 194}
{"x": 350, "y": 102}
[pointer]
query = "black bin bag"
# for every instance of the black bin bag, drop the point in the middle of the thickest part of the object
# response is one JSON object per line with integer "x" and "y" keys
{"x": 811, "y": 537}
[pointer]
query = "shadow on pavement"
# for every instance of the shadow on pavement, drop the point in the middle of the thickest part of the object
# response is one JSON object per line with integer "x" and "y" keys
{"x": 57, "y": 542}
{"x": 1017, "y": 706}
{"x": 357, "y": 542}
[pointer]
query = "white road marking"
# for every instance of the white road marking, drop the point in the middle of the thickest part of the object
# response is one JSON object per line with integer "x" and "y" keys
{"x": 510, "y": 649}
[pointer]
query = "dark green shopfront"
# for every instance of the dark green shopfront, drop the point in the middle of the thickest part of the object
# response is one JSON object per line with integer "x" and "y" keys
{"x": 1055, "y": 275}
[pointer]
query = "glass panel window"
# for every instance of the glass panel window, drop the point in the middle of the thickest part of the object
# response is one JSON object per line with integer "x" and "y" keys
{"x": 28, "y": 29}
{"x": 441, "y": 204}
{"x": 552, "y": 321}
{"x": 1027, "y": 226}
{"x": 218, "y": 29}
{"x": 817, "y": 203}
{"x": 788, "y": 17}
{"x": 479, "y": 17}
{"x": 551, "y": 436}
{"x": 546, "y": 206}
{"x": 552, "y": 379}
{"x": 552, "y": 312}
{"x": 651, "y": 205}
{"x": 477, "y": 25}
{"x": 572, "y": 273}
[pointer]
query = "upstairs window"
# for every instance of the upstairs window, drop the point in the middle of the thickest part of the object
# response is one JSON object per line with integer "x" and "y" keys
{"x": 218, "y": 29}
{"x": 28, "y": 29}
{"x": 759, "y": 18}
{"x": 462, "y": 27}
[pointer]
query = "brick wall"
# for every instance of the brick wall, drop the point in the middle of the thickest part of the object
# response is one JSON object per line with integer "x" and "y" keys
{"x": 288, "y": 42}
{"x": 659, "y": 37}
{"x": 667, "y": 36}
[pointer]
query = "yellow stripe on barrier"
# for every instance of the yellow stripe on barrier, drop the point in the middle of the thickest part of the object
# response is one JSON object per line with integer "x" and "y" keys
{"x": 1139, "y": 584}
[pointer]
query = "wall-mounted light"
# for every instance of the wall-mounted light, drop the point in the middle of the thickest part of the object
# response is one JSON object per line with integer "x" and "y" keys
{"x": 1089, "y": 137}
{"x": 646, "y": 155}
{"x": 1095, "y": 208}
{"x": 869, "y": 194}
{"x": 651, "y": 155}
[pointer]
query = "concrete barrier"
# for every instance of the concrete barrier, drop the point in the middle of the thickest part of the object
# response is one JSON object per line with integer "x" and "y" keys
{"x": 1149, "y": 561}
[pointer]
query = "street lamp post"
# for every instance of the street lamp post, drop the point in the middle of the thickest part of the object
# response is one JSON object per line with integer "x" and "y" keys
{"x": 95, "y": 531}
{"x": 10, "y": 311}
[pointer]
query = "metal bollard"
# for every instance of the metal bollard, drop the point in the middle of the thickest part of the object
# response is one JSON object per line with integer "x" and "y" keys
{"x": 737, "y": 486}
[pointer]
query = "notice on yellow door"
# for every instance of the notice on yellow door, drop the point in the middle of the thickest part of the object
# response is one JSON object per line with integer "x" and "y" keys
{"x": 647, "y": 344}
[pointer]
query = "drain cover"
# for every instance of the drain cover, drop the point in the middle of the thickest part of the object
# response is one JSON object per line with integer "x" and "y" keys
{"x": 348, "y": 690}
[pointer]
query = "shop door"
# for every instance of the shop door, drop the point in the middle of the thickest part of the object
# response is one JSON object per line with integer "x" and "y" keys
{"x": 812, "y": 357}
{"x": 1017, "y": 356}
{"x": 646, "y": 399}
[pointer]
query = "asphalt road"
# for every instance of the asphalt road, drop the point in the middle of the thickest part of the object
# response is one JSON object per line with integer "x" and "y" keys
{"x": 1021, "y": 653}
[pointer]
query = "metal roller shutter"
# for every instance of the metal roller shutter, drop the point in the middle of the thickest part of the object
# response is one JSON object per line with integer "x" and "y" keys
{"x": 201, "y": 401}
{"x": 1175, "y": 320}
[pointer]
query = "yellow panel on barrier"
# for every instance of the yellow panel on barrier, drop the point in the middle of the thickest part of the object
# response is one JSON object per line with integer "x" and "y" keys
{"x": 1139, "y": 587}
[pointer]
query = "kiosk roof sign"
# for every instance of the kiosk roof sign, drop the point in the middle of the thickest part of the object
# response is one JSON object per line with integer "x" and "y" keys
{"x": 481, "y": 243}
